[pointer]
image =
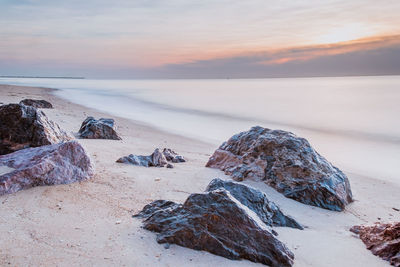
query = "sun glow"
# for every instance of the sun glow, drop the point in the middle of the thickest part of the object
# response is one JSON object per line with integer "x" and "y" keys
{"x": 344, "y": 34}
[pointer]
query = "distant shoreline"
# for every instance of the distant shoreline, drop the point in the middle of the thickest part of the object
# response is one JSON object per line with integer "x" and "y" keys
{"x": 42, "y": 77}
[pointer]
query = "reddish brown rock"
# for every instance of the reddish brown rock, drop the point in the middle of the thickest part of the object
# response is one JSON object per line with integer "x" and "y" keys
{"x": 286, "y": 162}
{"x": 24, "y": 126}
{"x": 36, "y": 103}
{"x": 61, "y": 163}
{"x": 156, "y": 159}
{"x": 216, "y": 222}
{"x": 98, "y": 129}
{"x": 383, "y": 239}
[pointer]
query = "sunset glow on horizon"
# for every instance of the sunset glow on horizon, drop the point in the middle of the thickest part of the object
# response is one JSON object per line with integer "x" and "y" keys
{"x": 138, "y": 36}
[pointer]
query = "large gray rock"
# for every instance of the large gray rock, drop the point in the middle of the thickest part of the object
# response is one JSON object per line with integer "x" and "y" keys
{"x": 216, "y": 222}
{"x": 286, "y": 162}
{"x": 98, "y": 129}
{"x": 156, "y": 159}
{"x": 383, "y": 239}
{"x": 36, "y": 103}
{"x": 24, "y": 126}
{"x": 256, "y": 201}
{"x": 61, "y": 163}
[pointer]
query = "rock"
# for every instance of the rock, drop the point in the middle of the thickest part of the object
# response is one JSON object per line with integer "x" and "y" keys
{"x": 216, "y": 222}
{"x": 383, "y": 239}
{"x": 286, "y": 162}
{"x": 36, "y": 103}
{"x": 256, "y": 201}
{"x": 61, "y": 163}
{"x": 98, "y": 129}
{"x": 156, "y": 159}
{"x": 24, "y": 126}
{"x": 172, "y": 156}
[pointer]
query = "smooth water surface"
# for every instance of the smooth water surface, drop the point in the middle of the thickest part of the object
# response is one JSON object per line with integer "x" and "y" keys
{"x": 352, "y": 121}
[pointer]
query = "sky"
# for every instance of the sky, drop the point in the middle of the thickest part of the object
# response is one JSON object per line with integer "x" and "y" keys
{"x": 199, "y": 38}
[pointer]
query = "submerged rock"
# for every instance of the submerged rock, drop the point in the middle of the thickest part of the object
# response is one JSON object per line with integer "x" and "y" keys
{"x": 286, "y": 162}
{"x": 24, "y": 126}
{"x": 98, "y": 129}
{"x": 383, "y": 239}
{"x": 36, "y": 103}
{"x": 256, "y": 201}
{"x": 156, "y": 159}
{"x": 216, "y": 222}
{"x": 61, "y": 163}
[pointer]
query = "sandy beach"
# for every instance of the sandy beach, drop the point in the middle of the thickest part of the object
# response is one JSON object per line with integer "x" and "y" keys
{"x": 90, "y": 223}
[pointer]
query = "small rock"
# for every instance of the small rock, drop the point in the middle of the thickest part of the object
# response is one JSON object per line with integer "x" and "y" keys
{"x": 156, "y": 159}
{"x": 383, "y": 239}
{"x": 36, "y": 103}
{"x": 396, "y": 209}
{"x": 118, "y": 222}
{"x": 172, "y": 156}
{"x": 166, "y": 245}
{"x": 98, "y": 129}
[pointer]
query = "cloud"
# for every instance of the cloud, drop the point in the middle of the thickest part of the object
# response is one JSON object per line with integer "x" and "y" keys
{"x": 142, "y": 35}
{"x": 372, "y": 56}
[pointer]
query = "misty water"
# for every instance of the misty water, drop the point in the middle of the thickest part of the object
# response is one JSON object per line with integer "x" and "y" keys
{"x": 352, "y": 121}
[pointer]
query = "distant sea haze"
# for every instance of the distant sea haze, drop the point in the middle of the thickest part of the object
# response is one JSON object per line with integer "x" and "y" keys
{"x": 353, "y": 121}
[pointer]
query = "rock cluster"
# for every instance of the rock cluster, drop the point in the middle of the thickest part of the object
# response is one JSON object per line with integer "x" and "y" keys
{"x": 156, "y": 159}
{"x": 224, "y": 221}
{"x": 286, "y": 162}
{"x": 98, "y": 129}
{"x": 36, "y": 103}
{"x": 61, "y": 163}
{"x": 23, "y": 126}
{"x": 383, "y": 239}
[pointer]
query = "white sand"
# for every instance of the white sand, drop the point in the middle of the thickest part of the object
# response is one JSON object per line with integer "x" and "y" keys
{"x": 90, "y": 223}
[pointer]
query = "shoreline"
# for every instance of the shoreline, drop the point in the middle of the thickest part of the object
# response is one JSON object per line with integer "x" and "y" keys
{"x": 89, "y": 223}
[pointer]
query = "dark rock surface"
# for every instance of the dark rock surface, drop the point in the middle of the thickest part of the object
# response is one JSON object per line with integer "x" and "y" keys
{"x": 36, "y": 103}
{"x": 61, "y": 163}
{"x": 156, "y": 159}
{"x": 286, "y": 162}
{"x": 256, "y": 201}
{"x": 383, "y": 239}
{"x": 216, "y": 222}
{"x": 98, "y": 129}
{"x": 172, "y": 156}
{"x": 24, "y": 126}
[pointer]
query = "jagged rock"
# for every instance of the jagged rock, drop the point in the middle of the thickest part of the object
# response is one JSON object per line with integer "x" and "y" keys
{"x": 24, "y": 126}
{"x": 172, "y": 156}
{"x": 256, "y": 201}
{"x": 98, "y": 129}
{"x": 383, "y": 239}
{"x": 286, "y": 162}
{"x": 36, "y": 103}
{"x": 216, "y": 222}
{"x": 61, "y": 163}
{"x": 156, "y": 159}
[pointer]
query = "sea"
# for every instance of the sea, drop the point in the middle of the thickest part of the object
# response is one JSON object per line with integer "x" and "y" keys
{"x": 354, "y": 122}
